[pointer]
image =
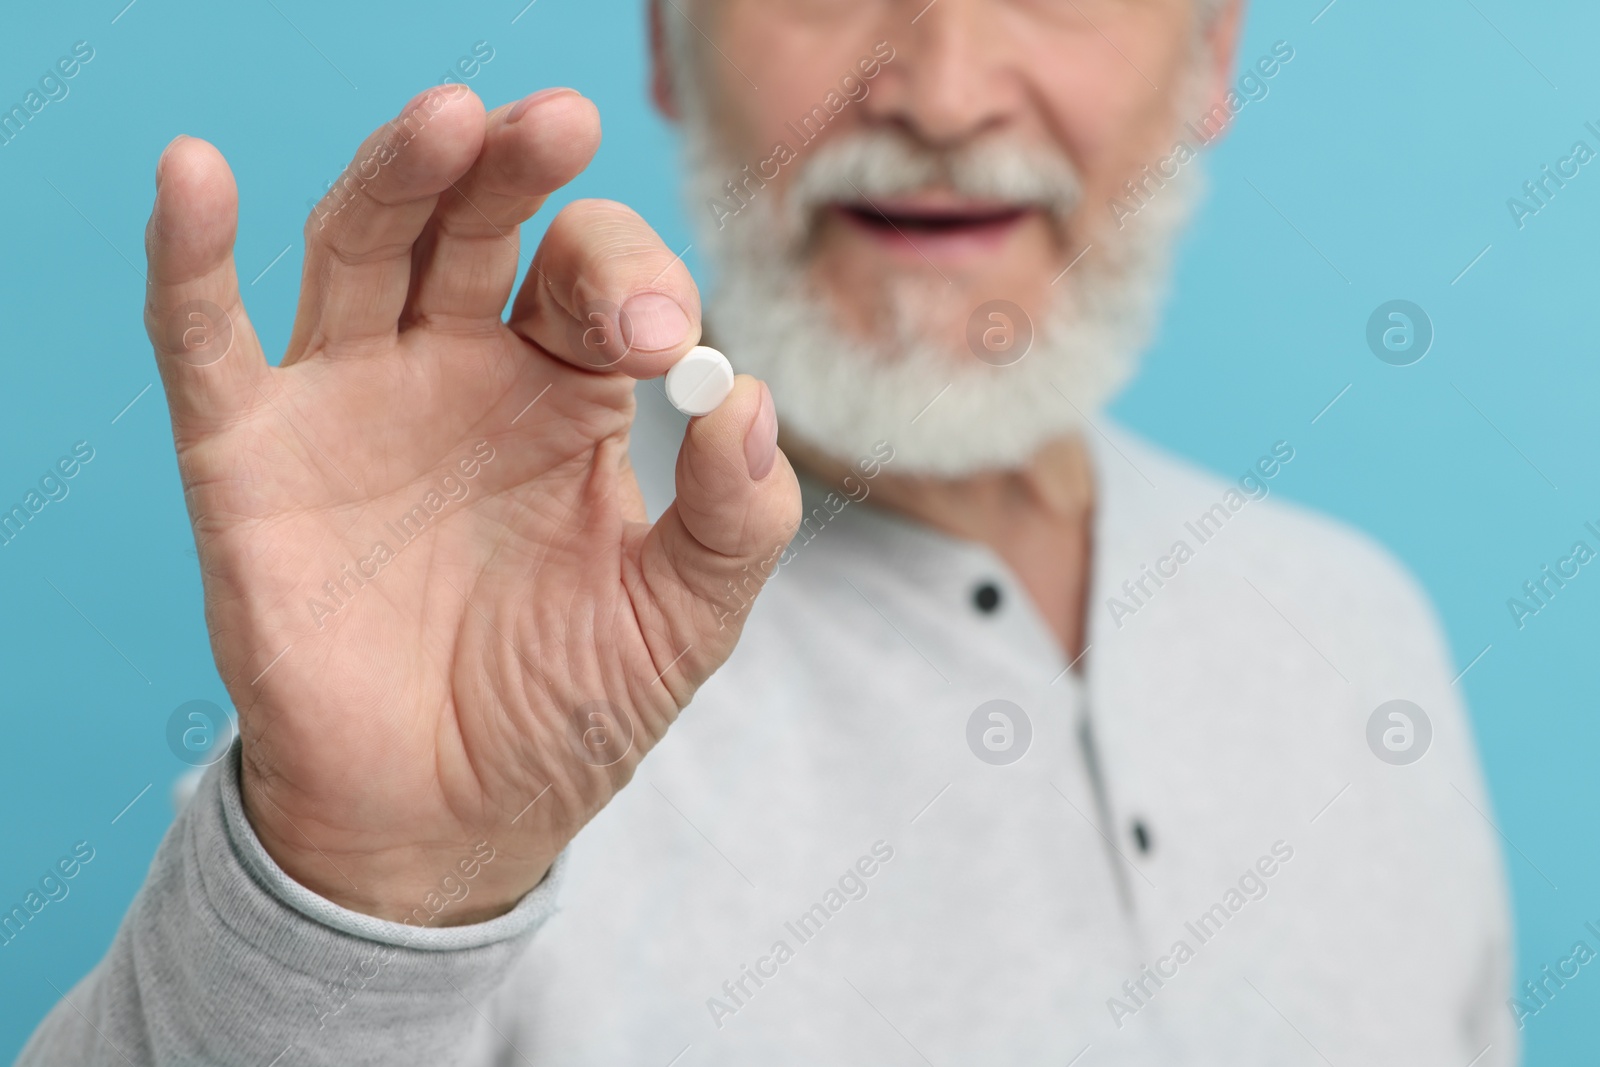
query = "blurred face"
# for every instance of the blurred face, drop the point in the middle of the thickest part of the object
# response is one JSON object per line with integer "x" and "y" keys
{"x": 910, "y": 205}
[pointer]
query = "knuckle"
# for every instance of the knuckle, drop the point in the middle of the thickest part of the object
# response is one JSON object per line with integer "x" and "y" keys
{"x": 611, "y": 245}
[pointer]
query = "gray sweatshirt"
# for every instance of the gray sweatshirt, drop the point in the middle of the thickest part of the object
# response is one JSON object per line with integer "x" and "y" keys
{"x": 1193, "y": 852}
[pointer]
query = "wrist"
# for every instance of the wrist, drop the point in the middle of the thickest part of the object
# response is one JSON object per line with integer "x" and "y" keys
{"x": 474, "y": 881}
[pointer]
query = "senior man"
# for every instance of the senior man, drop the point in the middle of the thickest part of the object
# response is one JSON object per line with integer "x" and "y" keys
{"x": 1040, "y": 746}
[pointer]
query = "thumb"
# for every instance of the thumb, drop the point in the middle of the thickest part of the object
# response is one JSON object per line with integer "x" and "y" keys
{"x": 737, "y": 508}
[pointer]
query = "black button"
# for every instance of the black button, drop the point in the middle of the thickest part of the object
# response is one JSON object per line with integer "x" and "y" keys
{"x": 1141, "y": 836}
{"x": 987, "y": 598}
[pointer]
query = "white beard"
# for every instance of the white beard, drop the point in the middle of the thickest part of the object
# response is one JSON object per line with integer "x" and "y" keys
{"x": 945, "y": 412}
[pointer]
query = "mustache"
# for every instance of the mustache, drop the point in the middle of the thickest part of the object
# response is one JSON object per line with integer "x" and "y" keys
{"x": 858, "y": 168}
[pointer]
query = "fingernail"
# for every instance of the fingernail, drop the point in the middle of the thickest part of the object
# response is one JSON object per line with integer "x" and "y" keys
{"x": 416, "y": 101}
{"x": 161, "y": 163}
{"x": 427, "y": 95}
{"x": 521, "y": 106}
{"x": 653, "y": 322}
{"x": 761, "y": 439}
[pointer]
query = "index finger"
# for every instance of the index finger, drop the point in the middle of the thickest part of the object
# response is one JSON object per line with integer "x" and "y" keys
{"x": 606, "y": 294}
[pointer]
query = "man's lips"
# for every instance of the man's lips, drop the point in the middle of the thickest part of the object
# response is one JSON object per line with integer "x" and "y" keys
{"x": 934, "y": 228}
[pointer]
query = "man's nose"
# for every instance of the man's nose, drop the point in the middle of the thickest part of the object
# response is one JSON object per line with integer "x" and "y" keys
{"x": 950, "y": 80}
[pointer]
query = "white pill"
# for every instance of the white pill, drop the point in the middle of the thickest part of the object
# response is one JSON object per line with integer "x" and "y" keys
{"x": 699, "y": 382}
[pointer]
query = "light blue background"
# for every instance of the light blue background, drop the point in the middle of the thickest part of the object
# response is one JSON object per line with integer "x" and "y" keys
{"x": 1389, "y": 145}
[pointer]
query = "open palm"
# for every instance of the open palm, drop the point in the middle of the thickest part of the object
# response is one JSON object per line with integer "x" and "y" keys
{"x": 430, "y": 583}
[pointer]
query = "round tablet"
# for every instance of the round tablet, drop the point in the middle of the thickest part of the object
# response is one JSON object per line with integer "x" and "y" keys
{"x": 699, "y": 382}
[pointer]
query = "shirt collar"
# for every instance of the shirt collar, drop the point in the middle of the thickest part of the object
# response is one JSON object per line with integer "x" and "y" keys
{"x": 947, "y": 571}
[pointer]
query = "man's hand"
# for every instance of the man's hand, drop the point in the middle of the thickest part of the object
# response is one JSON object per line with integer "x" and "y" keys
{"x": 430, "y": 583}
